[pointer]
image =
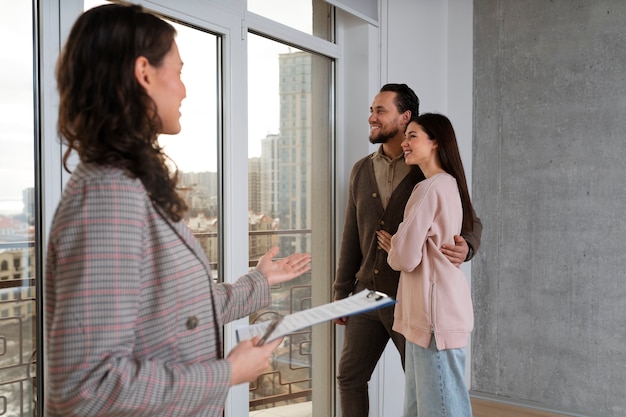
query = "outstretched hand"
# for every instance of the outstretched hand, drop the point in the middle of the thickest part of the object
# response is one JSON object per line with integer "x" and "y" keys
{"x": 283, "y": 269}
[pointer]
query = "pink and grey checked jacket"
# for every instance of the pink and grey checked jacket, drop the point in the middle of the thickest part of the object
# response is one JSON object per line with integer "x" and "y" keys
{"x": 133, "y": 319}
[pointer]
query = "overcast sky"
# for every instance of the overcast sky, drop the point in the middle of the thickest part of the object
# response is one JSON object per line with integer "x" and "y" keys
{"x": 16, "y": 104}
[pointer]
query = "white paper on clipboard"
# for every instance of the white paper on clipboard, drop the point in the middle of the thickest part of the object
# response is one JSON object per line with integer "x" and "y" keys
{"x": 358, "y": 303}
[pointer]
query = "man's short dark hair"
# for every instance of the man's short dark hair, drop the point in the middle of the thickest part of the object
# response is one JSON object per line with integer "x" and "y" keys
{"x": 406, "y": 99}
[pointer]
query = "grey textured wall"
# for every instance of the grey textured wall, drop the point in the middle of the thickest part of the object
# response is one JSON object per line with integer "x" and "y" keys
{"x": 549, "y": 183}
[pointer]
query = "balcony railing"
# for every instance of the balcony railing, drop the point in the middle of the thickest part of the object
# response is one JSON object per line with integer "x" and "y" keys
{"x": 17, "y": 333}
{"x": 289, "y": 379}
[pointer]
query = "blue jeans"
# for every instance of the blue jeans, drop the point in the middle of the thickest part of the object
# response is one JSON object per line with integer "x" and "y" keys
{"x": 434, "y": 382}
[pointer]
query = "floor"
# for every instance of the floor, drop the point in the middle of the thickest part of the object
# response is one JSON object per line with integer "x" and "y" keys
{"x": 486, "y": 408}
{"x": 480, "y": 408}
{"x": 296, "y": 410}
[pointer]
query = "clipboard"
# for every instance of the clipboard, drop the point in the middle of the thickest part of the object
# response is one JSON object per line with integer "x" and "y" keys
{"x": 361, "y": 302}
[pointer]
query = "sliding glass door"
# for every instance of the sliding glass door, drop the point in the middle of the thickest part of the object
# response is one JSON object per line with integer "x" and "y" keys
{"x": 289, "y": 148}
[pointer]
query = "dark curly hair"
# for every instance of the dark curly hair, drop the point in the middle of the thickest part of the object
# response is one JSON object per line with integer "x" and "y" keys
{"x": 105, "y": 115}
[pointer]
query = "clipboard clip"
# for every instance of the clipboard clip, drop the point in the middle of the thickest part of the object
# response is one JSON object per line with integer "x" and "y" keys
{"x": 273, "y": 324}
{"x": 377, "y": 296}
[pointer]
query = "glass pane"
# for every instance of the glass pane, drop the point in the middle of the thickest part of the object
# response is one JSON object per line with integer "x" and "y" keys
{"x": 17, "y": 182}
{"x": 289, "y": 145}
{"x": 313, "y": 17}
{"x": 195, "y": 149}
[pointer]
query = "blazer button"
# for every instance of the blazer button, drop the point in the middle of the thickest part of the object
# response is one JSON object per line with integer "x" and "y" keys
{"x": 192, "y": 322}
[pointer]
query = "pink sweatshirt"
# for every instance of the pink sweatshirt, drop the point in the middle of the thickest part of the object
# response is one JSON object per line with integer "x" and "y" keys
{"x": 433, "y": 295}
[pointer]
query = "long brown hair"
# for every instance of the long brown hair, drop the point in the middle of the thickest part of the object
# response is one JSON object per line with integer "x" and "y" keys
{"x": 438, "y": 127}
{"x": 105, "y": 115}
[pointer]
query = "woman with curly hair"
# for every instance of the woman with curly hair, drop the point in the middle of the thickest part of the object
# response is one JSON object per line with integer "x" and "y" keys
{"x": 134, "y": 321}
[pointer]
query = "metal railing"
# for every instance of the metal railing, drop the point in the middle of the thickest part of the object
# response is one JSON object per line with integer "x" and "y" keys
{"x": 18, "y": 357}
{"x": 289, "y": 378}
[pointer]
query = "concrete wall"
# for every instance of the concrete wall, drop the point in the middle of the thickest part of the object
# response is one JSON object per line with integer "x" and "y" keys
{"x": 549, "y": 183}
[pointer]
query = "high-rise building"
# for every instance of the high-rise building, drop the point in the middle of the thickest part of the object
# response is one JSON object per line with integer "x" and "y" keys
{"x": 254, "y": 185}
{"x": 268, "y": 175}
{"x": 286, "y": 157}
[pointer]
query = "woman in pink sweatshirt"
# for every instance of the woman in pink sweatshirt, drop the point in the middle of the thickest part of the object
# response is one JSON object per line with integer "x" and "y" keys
{"x": 434, "y": 310}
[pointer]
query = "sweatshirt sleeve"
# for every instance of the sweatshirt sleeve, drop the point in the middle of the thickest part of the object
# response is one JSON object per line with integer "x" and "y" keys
{"x": 406, "y": 245}
{"x": 430, "y": 213}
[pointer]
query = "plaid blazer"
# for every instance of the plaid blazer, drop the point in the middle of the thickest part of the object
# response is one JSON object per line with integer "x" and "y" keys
{"x": 133, "y": 319}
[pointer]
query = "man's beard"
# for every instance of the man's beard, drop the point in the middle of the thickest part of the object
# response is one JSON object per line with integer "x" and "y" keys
{"x": 383, "y": 137}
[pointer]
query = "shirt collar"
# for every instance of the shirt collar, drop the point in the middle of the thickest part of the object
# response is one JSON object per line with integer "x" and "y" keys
{"x": 379, "y": 154}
